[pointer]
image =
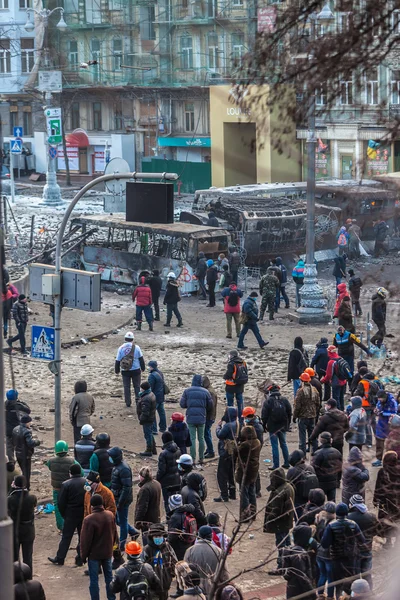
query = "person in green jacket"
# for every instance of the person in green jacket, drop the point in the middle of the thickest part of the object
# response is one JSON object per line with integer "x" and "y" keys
{"x": 59, "y": 466}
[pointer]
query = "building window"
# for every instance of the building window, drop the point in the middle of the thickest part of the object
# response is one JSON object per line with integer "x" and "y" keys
{"x": 320, "y": 96}
{"x": 117, "y": 54}
{"x": 97, "y": 116}
{"x": 189, "y": 116}
{"x": 27, "y": 123}
{"x": 75, "y": 116}
{"x": 212, "y": 8}
{"x": 13, "y": 118}
{"x": 3, "y": 4}
{"x": 346, "y": 92}
{"x": 147, "y": 18}
{"x": 118, "y": 121}
{"x": 71, "y": 6}
{"x": 24, "y": 4}
{"x": 186, "y": 53}
{"x": 73, "y": 57}
{"x": 237, "y": 2}
{"x": 344, "y": 22}
{"x": 395, "y": 21}
{"x": 93, "y": 11}
{"x": 5, "y": 56}
{"x": 372, "y": 87}
{"x": 237, "y": 46}
{"x": 213, "y": 51}
{"x": 395, "y": 87}
{"x": 27, "y": 54}
{"x": 95, "y": 50}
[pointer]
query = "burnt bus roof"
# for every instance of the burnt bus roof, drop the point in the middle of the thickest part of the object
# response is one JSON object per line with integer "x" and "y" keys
{"x": 253, "y": 207}
{"x": 174, "y": 229}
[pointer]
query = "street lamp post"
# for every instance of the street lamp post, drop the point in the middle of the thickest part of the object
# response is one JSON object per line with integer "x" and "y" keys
{"x": 51, "y": 191}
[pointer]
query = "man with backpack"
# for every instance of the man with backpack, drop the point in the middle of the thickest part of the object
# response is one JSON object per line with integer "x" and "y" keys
{"x": 303, "y": 479}
{"x": 306, "y": 410}
{"x": 130, "y": 363}
{"x": 194, "y": 492}
{"x": 236, "y": 376}
{"x": 182, "y": 525}
{"x": 135, "y": 580}
{"x": 337, "y": 375}
{"x": 282, "y": 284}
{"x": 231, "y": 296}
{"x": 368, "y": 389}
{"x": 327, "y": 462}
{"x": 276, "y": 415}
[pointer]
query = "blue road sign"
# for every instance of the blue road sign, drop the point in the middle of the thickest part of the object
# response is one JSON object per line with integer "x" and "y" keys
{"x": 18, "y": 132}
{"x": 16, "y": 146}
{"x": 42, "y": 342}
{"x": 52, "y": 152}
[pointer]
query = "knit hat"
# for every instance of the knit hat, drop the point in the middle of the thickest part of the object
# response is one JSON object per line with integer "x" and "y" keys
{"x": 253, "y": 295}
{"x": 177, "y": 416}
{"x": 20, "y": 481}
{"x": 175, "y": 501}
{"x": 12, "y": 395}
{"x": 156, "y": 529}
{"x": 356, "y": 402}
{"x": 296, "y": 457}
{"x": 96, "y": 500}
{"x": 332, "y": 349}
{"x": 325, "y": 435}
{"x": 93, "y": 477}
{"x": 342, "y": 510}
{"x": 26, "y": 419}
{"x": 167, "y": 437}
{"x": 330, "y": 507}
{"x": 153, "y": 364}
{"x": 75, "y": 469}
{"x": 213, "y": 518}
{"x": 21, "y": 297}
{"x": 395, "y": 421}
{"x": 205, "y": 532}
{"x": 360, "y": 587}
{"x": 357, "y": 501}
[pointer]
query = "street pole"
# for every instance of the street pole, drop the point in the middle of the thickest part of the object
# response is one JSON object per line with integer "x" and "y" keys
{"x": 12, "y": 182}
{"x": 57, "y": 273}
{"x": 51, "y": 191}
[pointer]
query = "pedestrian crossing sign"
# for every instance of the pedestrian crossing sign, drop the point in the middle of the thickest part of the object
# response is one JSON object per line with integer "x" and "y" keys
{"x": 16, "y": 146}
{"x": 42, "y": 342}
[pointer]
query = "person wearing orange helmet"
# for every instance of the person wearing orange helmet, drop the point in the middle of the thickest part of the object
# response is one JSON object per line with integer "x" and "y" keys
{"x": 250, "y": 418}
{"x": 135, "y": 564}
{"x": 306, "y": 408}
{"x": 315, "y": 382}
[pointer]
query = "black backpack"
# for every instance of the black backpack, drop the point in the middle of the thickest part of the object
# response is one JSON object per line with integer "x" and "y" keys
{"x": 308, "y": 481}
{"x": 279, "y": 412}
{"x": 137, "y": 585}
{"x": 233, "y": 298}
{"x": 342, "y": 370}
{"x": 240, "y": 373}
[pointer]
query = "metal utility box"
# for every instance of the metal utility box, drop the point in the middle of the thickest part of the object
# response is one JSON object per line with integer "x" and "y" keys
{"x": 79, "y": 289}
{"x": 50, "y": 285}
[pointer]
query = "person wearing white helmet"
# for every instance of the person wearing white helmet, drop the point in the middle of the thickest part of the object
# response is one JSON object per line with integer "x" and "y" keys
{"x": 85, "y": 447}
{"x": 379, "y": 315}
{"x": 130, "y": 363}
{"x": 171, "y": 299}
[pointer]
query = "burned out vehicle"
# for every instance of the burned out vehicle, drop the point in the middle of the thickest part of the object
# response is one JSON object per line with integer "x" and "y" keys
{"x": 121, "y": 249}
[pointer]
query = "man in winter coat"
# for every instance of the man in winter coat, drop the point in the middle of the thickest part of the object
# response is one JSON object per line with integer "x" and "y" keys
{"x": 177, "y": 537}
{"x": 269, "y": 286}
{"x": 282, "y": 284}
{"x": 131, "y": 352}
{"x": 335, "y": 422}
{"x": 160, "y": 555}
{"x": 212, "y": 219}
{"x": 180, "y": 432}
{"x": 191, "y": 495}
{"x": 24, "y": 586}
{"x": 71, "y": 506}
{"x": 100, "y": 459}
{"x": 279, "y": 512}
{"x": 345, "y": 342}
{"x": 392, "y": 442}
{"x": 234, "y": 263}
{"x": 315, "y": 382}
{"x": 226, "y": 278}
{"x": 59, "y": 466}
{"x": 339, "y": 269}
{"x": 167, "y": 470}
{"x": 356, "y": 435}
{"x": 148, "y": 501}
{"x": 369, "y": 525}
{"x": 296, "y": 564}
{"x": 250, "y": 312}
{"x": 276, "y": 415}
{"x": 155, "y": 285}
{"x": 198, "y": 402}
{"x": 24, "y": 445}
{"x": 355, "y": 285}
{"x": 21, "y": 509}
{"x": 146, "y": 412}
{"x": 354, "y": 232}
{"x": 85, "y": 447}
{"x": 231, "y": 296}
{"x": 327, "y": 462}
{"x": 236, "y": 377}
{"x": 379, "y": 315}
{"x": 302, "y": 477}
{"x": 306, "y": 410}
{"x": 381, "y": 230}
{"x": 332, "y": 378}
{"x": 121, "y": 487}
{"x": 362, "y": 369}
{"x": 298, "y": 362}
{"x": 314, "y": 506}
{"x": 211, "y": 278}
{"x": 210, "y": 418}
{"x": 81, "y": 408}
{"x": 247, "y": 467}
{"x": 226, "y": 432}
{"x": 319, "y": 362}
{"x": 94, "y": 486}
{"x": 207, "y": 557}
{"x": 144, "y": 300}
{"x": 134, "y": 564}
{"x": 298, "y": 278}
{"x": 14, "y": 408}
{"x": 345, "y": 541}
{"x": 171, "y": 299}
{"x": 200, "y": 273}
{"x": 21, "y": 317}
{"x": 156, "y": 381}
{"x": 385, "y": 409}
{"x": 98, "y": 536}
{"x": 355, "y": 475}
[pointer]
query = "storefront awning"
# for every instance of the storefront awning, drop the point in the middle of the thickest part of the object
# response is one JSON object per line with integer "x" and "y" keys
{"x": 77, "y": 139}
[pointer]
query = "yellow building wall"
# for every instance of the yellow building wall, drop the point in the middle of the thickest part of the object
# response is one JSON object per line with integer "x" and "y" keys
{"x": 242, "y": 151}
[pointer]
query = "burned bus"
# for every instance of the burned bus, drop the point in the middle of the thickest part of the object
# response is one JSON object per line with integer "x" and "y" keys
{"x": 120, "y": 250}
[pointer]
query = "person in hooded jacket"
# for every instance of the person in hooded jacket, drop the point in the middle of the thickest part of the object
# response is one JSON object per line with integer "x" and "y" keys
{"x": 210, "y": 417}
{"x": 392, "y": 441}
{"x": 335, "y": 422}
{"x": 121, "y": 487}
{"x": 144, "y": 300}
{"x": 24, "y": 445}
{"x": 369, "y": 525}
{"x": 306, "y": 408}
{"x": 282, "y": 284}
{"x": 226, "y": 431}
{"x": 296, "y": 565}
{"x": 276, "y": 415}
{"x": 14, "y": 408}
{"x": 315, "y": 504}
{"x": 156, "y": 381}
{"x": 298, "y": 278}
{"x": 190, "y": 495}
{"x": 100, "y": 460}
{"x": 211, "y": 278}
{"x": 341, "y": 294}
{"x": 94, "y": 486}
{"x": 355, "y": 285}
{"x": 180, "y": 432}
{"x": 26, "y": 588}
{"x": 147, "y": 510}
{"x": 250, "y": 312}
{"x": 81, "y": 408}
{"x": 379, "y": 315}
{"x": 85, "y": 447}
{"x": 234, "y": 388}
{"x": 300, "y": 475}
{"x": 171, "y": 299}
{"x": 212, "y": 219}
{"x": 386, "y": 407}
{"x": 357, "y": 433}
{"x": 191, "y": 581}
{"x": 146, "y": 412}
{"x": 324, "y": 562}
{"x": 234, "y": 263}
{"x": 251, "y": 419}
{"x": 279, "y": 512}
{"x": 176, "y": 530}
{"x": 362, "y": 370}
{"x": 198, "y": 402}
{"x": 247, "y": 468}
{"x": 135, "y": 563}
{"x": 332, "y": 378}
{"x": 319, "y": 362}
{"x": 21, "y": 509}
{"x": 200, "y": 273}
{"x": 219, "y": 538}
{"x": 231, "y": 296}
{"x": 167, "y": 471}
{"x": 345, "y": 314}
{"x": 327, "y": 462}
{"x": 381, "y": 230}
{"x": 339, "y": 269}
{"x": 298, "y": 362}
{"x": 160, "y": 555}
{"x": 387, "y": 496}
{"x": 20, "y": 313}
{"x": 355, "y": 475}
{"x": 155, "y": 285}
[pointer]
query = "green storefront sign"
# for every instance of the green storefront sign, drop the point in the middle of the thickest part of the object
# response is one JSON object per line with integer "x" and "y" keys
{"x": 184, "y": 142}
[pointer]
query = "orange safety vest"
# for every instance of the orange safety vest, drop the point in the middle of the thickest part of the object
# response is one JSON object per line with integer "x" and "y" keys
{"x": 232, "y": 381}
{"x": 365, "y": 402}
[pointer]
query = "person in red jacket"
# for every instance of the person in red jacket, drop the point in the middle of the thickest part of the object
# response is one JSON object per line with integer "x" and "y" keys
{"x": 331, "y": 377}
{"x": 341, "y": 293}
{"x": 144, "y": 300}
{"x": 231, "y": 296}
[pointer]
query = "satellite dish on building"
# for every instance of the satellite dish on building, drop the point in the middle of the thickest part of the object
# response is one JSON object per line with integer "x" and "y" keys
{"x": 117, "y": 165}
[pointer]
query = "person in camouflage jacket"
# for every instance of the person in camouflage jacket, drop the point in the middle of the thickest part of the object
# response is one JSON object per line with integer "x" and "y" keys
{"x": 269, "y": 283}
